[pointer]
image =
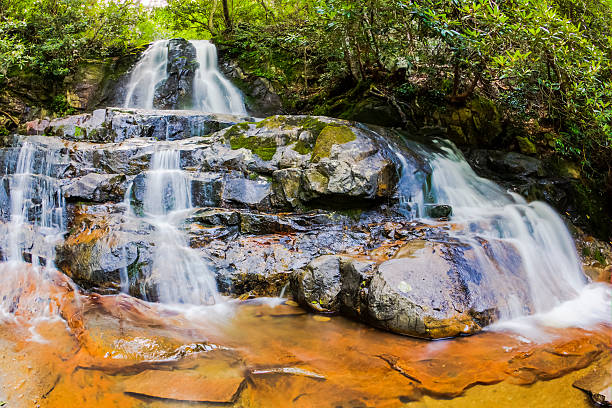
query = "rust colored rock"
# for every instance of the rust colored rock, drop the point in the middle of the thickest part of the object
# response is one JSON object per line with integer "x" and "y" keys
{"x": 184, "y": 386}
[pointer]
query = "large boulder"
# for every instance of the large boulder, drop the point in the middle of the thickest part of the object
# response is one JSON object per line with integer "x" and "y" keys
{"x": 436, "y": 290}
{"x": 175, "y": 92}
{"x": 427, "y": 288}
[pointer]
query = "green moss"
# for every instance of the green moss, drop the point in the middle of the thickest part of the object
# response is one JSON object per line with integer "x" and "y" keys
{"x": 302, "y": 147}
{"x": 264, "y": 148}
{"x": 329, "y": 136}
{"x": 78, "y": 132}
{"x": 525, "y": 145}
{"x": 237, "y": 130}
{"x": 273, "y": 122}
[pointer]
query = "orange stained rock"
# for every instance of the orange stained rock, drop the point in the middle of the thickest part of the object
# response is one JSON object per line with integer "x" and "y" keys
{"x": 122, "y": 352}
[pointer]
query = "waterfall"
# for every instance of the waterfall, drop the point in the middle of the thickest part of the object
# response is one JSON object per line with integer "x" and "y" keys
{"x": 146, "y": 75}
{"x": 212, "y": 92}
{"x": 485, "y": 211}
{"x": 37, "y": 207}
{"x": 35, "y": 227}
{"x": 179, "y": 273}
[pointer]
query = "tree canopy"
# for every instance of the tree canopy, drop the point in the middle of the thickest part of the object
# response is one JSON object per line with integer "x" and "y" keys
{"x": 545, "y": 61}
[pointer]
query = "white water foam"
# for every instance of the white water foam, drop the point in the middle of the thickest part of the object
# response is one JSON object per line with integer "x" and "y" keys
{"x": 150, "y": 70}
{"x": 179, "y": 272}
{"x": 558, "y": 293}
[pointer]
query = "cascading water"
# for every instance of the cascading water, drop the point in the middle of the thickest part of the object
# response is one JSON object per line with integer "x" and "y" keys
{"x": 146, "y": 75}
{"x": 36, "y": 225}
{"x": 487, "y": 213}
{"x": 37, "y": 207}
{"x": 212, "y": 92}
{"x": 179, "y": 273}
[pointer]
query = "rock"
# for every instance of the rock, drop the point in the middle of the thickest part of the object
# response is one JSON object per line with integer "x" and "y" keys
{"x": 5, "y": 202}
{"x": 247, "y": 193}
{"x": 95, "y": 187}
{"x": 512, "y": 163}
{"x": 596, "y": 256}
{"x": 175, "y": 92}
{"x": 318, "y": 286}
{"x": 333, "y": 283}
{"x": 117, "y": 124}
{"x": 261, "y": 98}
{"x": 598, "y": 383}
{"x": 439, "y": 211}
{"x": 436, "y": 290}
{"x": 187, "y": 385}
{"x": 102, "y": 247}
{"x": 206, "y": 189}
{"x": 525, "y": 145}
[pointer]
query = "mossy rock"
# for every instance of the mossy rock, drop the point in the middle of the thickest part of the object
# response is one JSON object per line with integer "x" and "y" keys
{"x": 274, "y": 122}
{"x": 526, "y": 146}
{"x": 329, "y": 136}
{"x": 262, "y": 147}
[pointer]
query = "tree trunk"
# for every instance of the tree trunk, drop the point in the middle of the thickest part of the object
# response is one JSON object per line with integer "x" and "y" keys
{"x": 211, "y": 17}
{"x": 226, "y": 16}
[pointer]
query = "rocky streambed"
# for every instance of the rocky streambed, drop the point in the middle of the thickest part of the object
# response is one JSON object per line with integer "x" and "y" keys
{"x": 304, "y": 206}
{"x": 310, "y": 227}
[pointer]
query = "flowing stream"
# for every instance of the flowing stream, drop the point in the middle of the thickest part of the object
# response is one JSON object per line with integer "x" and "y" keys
{"x": 36, "y": 225}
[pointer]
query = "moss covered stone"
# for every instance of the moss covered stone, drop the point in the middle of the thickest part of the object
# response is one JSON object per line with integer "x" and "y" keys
{"x": 525, "y": 145}
{"x": 264, "y": 148}
{"x": 329, "y": 136}
{"x": 273, "y": 122}
{"x": 302, "y": 147}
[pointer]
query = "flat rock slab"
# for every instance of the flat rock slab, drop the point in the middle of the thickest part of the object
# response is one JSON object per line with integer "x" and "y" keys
{"x": 184, "y": 386}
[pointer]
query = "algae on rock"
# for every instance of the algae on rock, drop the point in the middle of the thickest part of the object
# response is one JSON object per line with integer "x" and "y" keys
{"x": 329, "y": 136}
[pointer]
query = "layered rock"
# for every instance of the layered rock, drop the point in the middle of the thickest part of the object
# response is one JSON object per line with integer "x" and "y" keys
{"x": 118, "y": 124}
{"x": 299, "y": 205}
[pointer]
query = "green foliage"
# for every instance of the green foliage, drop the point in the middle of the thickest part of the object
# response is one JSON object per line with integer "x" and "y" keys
{"x": 60, "y": 106}
{"x": 542, "y": 59}
{"x": 51, "y": 37}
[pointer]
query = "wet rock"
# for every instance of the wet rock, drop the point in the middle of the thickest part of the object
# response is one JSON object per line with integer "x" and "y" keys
{"x": 436, "y": 290}
{"x": 356, "y": 277}
{"x": 206, "y": 189}
{"x": 188, "y": 385}
{"x": 5, "y": 202}
{"x": 511, "y": 163}
{"x": 95, "y": 187}
{"x": 216, "y": 217}
{"x": 439, "y": 211}
{"x": 597, "y": 383}
{"x": 333, "y": 283}
{"x": 247, "y": 193}
{"x": 117, "y": 124}
{"x": 596, "y": 256}
{"x": 318, "y": 285}
{"x": 175, "y": 92}
{"x": 102, "y": 246}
